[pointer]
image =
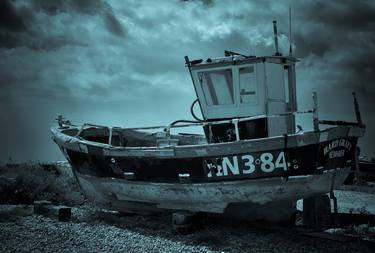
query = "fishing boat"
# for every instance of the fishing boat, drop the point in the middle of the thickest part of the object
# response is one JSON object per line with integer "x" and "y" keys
{"x": 251, "y": 151}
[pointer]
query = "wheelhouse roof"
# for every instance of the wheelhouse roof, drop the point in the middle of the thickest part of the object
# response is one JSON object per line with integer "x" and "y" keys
{"x": 238, "y": 60}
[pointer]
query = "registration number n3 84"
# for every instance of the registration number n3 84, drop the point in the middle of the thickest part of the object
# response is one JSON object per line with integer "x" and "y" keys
{"x": 247, "y": 164}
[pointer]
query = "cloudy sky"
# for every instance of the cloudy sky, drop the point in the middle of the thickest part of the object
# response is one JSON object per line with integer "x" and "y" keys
{"x": 121, "y": 62}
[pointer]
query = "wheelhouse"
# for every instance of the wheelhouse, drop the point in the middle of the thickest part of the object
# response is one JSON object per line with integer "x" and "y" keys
{"x": 239, "y": 87}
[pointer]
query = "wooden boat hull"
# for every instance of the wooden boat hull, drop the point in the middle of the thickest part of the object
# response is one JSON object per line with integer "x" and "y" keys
{"x": 209, "y": 177}
{"x": 213, "y": 197}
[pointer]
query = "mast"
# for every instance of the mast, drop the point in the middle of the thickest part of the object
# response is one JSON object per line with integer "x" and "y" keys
{"x": 290, "y": 30}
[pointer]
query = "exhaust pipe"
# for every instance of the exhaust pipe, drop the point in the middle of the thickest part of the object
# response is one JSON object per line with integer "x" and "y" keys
{"x": 275, "y": 38}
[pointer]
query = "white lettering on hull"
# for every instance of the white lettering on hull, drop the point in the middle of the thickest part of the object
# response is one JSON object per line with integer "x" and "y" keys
{"x": 233, "y": 167}
{"x": 247, "y": 164}
{"x": 335, "y": 154}
{"x": 343, "y": 143}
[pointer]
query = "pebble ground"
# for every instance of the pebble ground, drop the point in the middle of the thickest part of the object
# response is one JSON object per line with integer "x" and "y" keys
{"x": 23, "y": 232}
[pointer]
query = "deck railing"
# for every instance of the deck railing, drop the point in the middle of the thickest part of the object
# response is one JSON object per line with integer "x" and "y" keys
{"x": 167, "y": 128}
{"x": 234, "y": 121}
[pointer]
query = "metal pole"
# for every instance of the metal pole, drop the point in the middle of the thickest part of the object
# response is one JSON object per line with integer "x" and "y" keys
{"x": 235, "y": 122}
{"x": 290, "y": 30}
{"x": 110, "y": 136}
{"x": 358, "y": 176}
{"x": 356, "y": 109}
{"x": 315, "y": 112}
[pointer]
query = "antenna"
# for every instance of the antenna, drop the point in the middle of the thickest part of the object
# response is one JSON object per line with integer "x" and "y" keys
{"x": 277, "y": 53}
{"x": 290, "y": 30}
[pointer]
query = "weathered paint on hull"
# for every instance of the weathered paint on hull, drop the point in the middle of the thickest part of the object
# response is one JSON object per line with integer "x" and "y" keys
{"x": 283, "y": 156}
{"x": 221, "y": 173}
{"x": 211, "y": 197}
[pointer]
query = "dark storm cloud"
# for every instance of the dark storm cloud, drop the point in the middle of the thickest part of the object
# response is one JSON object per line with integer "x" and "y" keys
{"x": 88, "y": 7}
{"x": 79, "y": 6}
{"x": 14, "y": 24}
{"x": 361, "y": 70}
{"x": 344, "y": 15}
{"x": 308, "y": 45}
{"x": 10, "y": 19}
{"x": 347, "y": 23}
{"x": 35, "y": 41}
{"x": 19, "y": 27}
{"x": 341, "y": 34}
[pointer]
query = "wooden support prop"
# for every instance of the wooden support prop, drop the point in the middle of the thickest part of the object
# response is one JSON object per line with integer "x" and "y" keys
{"x": 47, "y": 209}
{"x": 317, "y": 212}
{"x": 335, "y": 209}
{"x": 334, "y": 199}
{"x": 315, "y": 112}
{"x": 182, "y": 222}
{"x": 358, "y": 175}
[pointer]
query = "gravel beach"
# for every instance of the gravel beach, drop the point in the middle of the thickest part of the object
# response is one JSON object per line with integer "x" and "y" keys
{"x": 20, "y": 231}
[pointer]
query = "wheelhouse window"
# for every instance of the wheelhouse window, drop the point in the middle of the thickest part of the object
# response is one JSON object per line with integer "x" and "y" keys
{"x": 217, "y": 86}
{"x": 248, "y": 86}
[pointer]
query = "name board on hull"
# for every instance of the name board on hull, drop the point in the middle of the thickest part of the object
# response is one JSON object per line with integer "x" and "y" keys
{"x": 337, "y": 153}
{"x": 337, "y": 148}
